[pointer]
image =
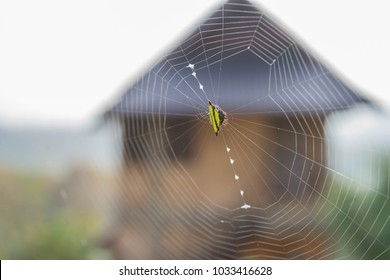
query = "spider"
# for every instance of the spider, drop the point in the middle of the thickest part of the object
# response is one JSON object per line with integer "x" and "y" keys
{"x": 218, "y": 117}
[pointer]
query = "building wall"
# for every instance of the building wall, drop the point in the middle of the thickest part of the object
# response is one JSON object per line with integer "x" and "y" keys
{"x": 277, "y": 159}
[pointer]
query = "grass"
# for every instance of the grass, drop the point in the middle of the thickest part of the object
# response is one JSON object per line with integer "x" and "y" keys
{"x": 36, "y": 223}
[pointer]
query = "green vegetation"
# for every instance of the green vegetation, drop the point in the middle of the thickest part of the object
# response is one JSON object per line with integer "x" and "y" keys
{"x": 37, "y": 223}
{"x": 358, "y": 218}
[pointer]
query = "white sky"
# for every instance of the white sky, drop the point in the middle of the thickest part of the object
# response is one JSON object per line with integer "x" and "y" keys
{"x": 64, "y": 62}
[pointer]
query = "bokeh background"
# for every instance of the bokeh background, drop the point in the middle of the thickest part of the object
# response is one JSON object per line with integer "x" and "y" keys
{"x": 63, "y": 65}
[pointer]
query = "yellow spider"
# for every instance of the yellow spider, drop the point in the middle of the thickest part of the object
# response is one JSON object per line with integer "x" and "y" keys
{"x": 218, "y": 117}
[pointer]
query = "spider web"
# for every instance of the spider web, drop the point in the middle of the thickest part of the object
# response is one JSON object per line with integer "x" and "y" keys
{"x": 270, "y": 185}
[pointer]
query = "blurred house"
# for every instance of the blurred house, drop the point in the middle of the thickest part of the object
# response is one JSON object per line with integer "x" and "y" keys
{"x": 173, "y": 201}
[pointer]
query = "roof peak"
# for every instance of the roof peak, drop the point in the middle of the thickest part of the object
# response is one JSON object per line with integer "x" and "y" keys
{"x": 243, "y": 59}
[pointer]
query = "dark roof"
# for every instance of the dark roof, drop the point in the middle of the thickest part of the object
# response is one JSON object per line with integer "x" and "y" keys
{"x": 246, "y": 64}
